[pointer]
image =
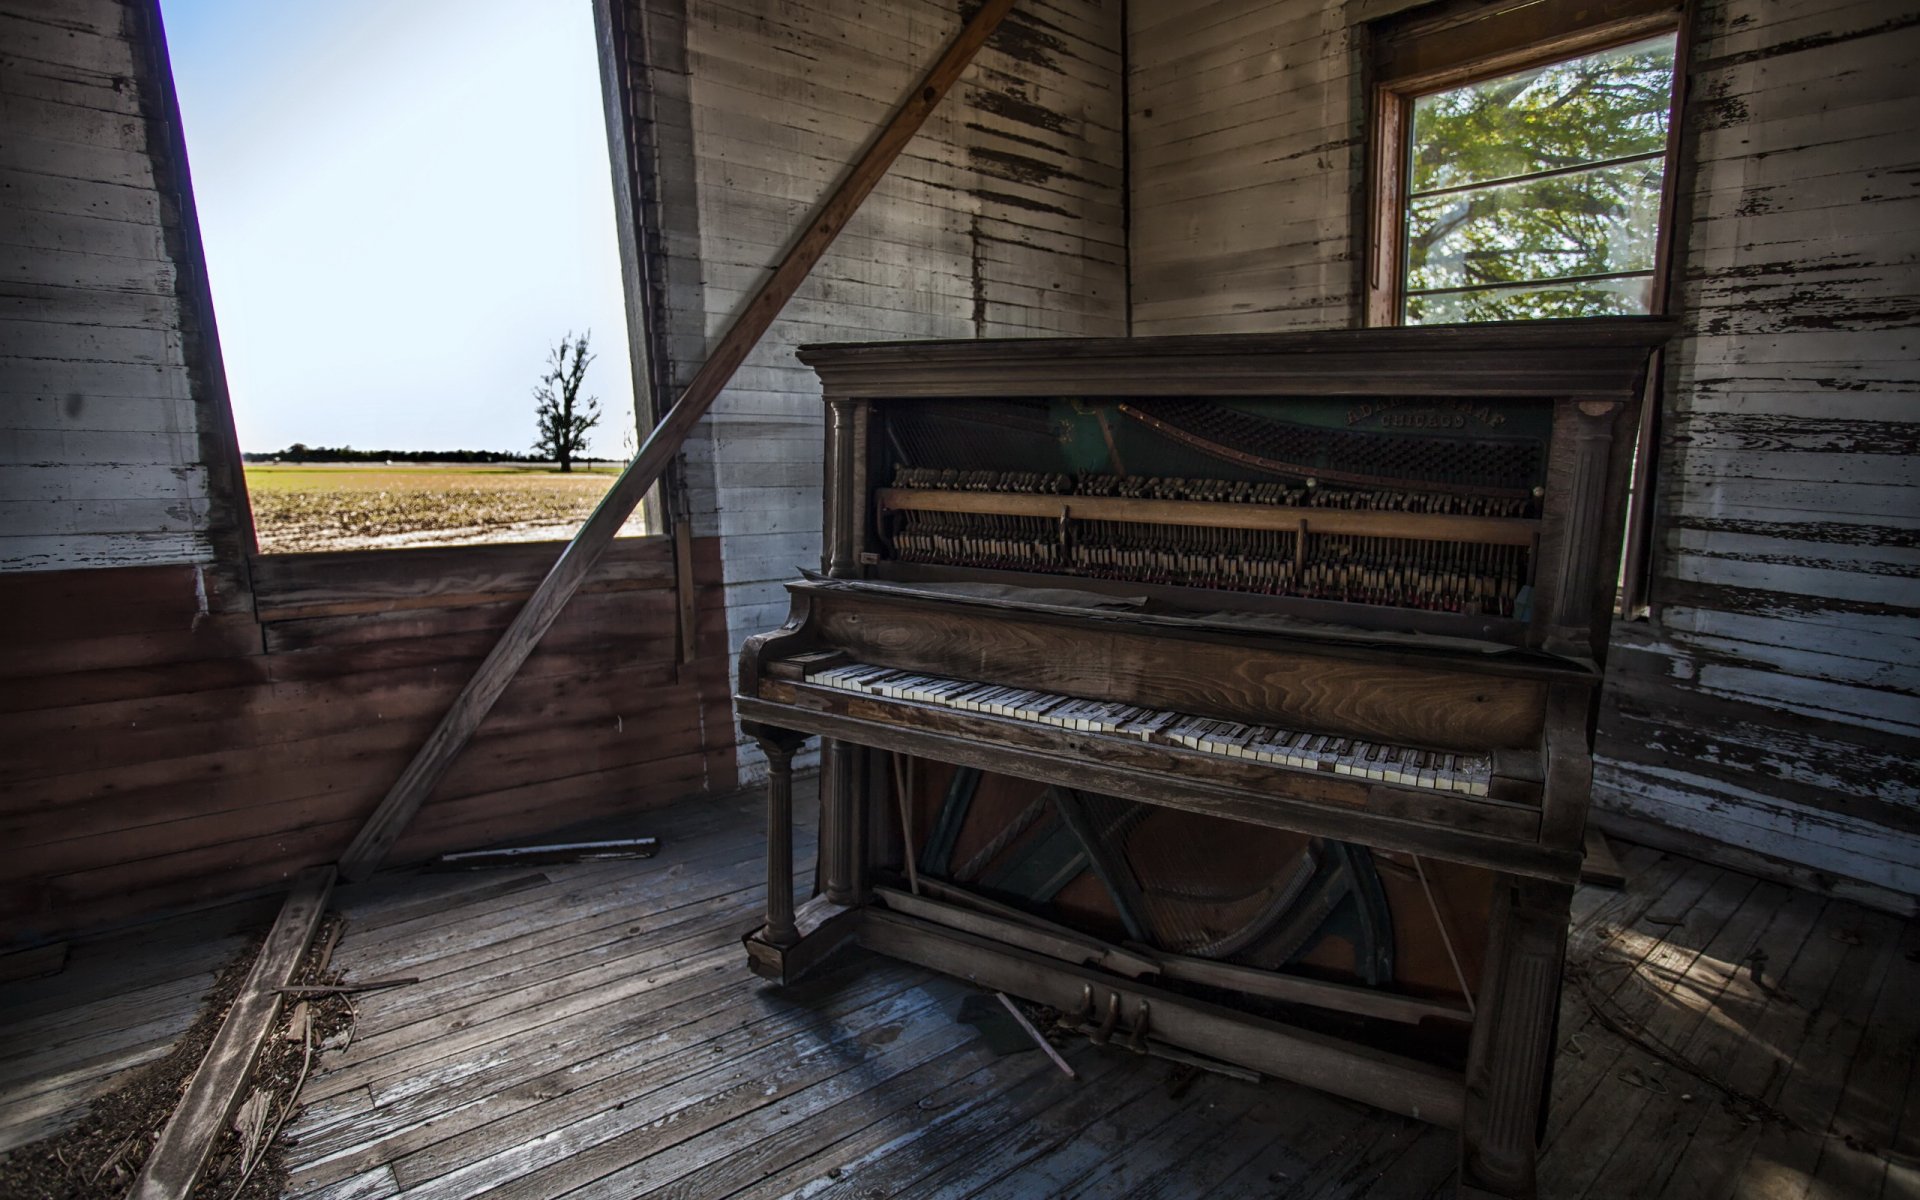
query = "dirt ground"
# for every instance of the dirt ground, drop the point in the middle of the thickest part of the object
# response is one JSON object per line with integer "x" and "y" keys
{"x": 99, "y": 1158}
{"x": 367, "y": 506}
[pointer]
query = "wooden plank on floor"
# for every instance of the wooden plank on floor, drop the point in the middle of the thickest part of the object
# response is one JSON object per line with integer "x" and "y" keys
{"x": 987, "y": 1148}
{"x": 528, "y": 1011}
{"x": 1632, "y": 973}
{"x": 552, "y": 1152}
{"x": 178, "y": 1157}
{"x": 1699, "y": 1023}
{"x": 871, "y": 1126}
{"x": 913, "y": 1147}
{"x": 1856, "y": 1151}
{"x": 732, "y": 1160}
{"x": 454, "y": 896}
{"x": 689, "y": 1150}
{"x": 1185, "y": 1126}
{"x": 1710, "y": 1167}
{"x": 561, "y": 938}
{"x": 549, "y": 992}
{"x": 1657, "y": 999}
{"x": 638, "y": 889}
{"x": 1903, "y": 1171}
{"x": 1806, "y": 1090}
{"x": 439, "y": 1128}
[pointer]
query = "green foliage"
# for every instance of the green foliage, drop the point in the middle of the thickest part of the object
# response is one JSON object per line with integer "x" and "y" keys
{"x": 563, "y": 417}
{"x": 1531, "y": 204}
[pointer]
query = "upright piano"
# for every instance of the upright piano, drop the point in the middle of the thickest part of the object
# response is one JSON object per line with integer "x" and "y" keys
{"x": 1230, "y": 695}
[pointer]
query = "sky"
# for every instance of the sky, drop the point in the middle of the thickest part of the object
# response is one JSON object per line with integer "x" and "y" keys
{"x": 404, "y": 206}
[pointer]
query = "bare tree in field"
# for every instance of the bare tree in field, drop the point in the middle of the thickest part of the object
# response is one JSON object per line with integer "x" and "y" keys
{"x": 563, "y": 416}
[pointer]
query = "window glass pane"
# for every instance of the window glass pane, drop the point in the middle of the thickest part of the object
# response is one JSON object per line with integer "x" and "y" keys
{"x": 1588, "y": 298}
{"x": 1599, "y": 107}
{"x": 1595, "y": 222}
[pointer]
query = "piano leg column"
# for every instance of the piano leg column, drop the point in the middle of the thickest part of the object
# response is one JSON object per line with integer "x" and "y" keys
{"x": 836, "y": 825}
{"x": 780, "y": 929}
{"x": 1509, "y": 1062}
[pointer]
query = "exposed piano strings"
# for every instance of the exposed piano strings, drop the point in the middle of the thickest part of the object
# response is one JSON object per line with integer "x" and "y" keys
{"x": 1407, "y": 766}
{"x": 1309, "y": 494}
{"x": 1486, "y": 571}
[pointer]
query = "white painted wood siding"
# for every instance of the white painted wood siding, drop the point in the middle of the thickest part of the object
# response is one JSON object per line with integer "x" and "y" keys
{"x": 1245, "y": 151}
{"x": 1774, "y": 702}
{"x": 102, "y": 427}
{"x": 1004, "y": 217}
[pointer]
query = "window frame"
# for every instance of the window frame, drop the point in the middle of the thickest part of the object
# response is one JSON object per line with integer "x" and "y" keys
{"x": 1446, "y": 46}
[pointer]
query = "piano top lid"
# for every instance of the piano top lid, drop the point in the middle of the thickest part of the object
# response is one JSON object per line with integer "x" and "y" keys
{"x": 1070, "y": 605}
{"x": 1585, "y": 358}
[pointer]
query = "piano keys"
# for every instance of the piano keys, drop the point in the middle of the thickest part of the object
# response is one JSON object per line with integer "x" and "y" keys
{"x": 1228, "y": 693}
{"x": 1298, "y": 749}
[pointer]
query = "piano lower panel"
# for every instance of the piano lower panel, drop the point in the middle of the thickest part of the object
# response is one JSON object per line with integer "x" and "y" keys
{"x": 1458, "y": 829}
{"x": 1358, "y": 1072}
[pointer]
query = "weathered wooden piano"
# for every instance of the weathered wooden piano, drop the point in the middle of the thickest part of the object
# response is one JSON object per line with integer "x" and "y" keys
{"x": 1232, "y": 696}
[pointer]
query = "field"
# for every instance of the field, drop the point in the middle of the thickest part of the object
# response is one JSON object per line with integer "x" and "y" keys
{"x": 360, "y": 506}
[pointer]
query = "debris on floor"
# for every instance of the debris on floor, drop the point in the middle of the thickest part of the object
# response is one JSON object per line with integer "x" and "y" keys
{"x": 544, "y": 855}
{"x": 100, "y": 1156}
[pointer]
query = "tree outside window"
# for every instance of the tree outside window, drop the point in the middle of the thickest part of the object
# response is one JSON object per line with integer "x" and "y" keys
{"x": 1532, "y": 194}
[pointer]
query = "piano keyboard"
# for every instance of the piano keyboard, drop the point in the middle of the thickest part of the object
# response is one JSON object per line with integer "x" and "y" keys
{"x": 1301, "y": 749}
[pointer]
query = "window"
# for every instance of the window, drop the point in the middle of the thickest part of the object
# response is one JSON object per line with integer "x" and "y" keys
{"x": 406, "y": 208}
{"x": 1520, "y": 184}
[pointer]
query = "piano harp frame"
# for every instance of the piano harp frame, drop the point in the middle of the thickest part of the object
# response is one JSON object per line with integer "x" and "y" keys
{"x": 1534, "y": 706}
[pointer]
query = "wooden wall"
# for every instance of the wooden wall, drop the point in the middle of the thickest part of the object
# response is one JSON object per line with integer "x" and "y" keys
{"x": 168, "y": 745}
{"x": 182, "y": 721}
{"x": 1769, "y": 711}
{"x": 1004, "y": 217}
{"x": 1774, "y": 702}
{"x": 114, "y": 430}
{"x": 1245, "y": 149}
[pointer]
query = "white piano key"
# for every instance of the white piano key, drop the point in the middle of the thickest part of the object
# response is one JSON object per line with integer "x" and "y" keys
{"x": 1088, "y": 719}
{"x": 1267, "y": 744}
{"x": 1340, "y": 756}
{"x": 1376, "y": 762}
{"x": 982, "y": 701}
{"x": 849, "y": 680}
{"x": 1008, "y": 702}
{"x": 1149, "y": 720}
{"x": 1062, "y": 714}
{"x": 832, "y": 675}
{"x": 1037, "y": 705}
{"x": 1192, "y": 734}
{"x": 1276, "y": 746}
{"x": 1176, "y": 731}
{"x": 944, "y": 691}
{"x": 900, "y": 686}
{"x": 927, "y": 688}
{"x": 1396, "y": 766}
{"x": 1225, "y": 736}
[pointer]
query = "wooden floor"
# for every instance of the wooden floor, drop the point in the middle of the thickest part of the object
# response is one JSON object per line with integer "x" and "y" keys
{"x": 120, "y": 1001}
{"x": 592, "y": 1031}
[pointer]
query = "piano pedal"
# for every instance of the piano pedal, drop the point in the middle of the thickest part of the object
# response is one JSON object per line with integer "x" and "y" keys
{"x": 1104, "y": 1034}
{"x": 1136, "y": 1039}
{"x": 1133, "y": 1037}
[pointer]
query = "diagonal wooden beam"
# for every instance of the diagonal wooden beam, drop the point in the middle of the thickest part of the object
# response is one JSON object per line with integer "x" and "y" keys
{"x": 174, "y": 1165}
{"x": 430, "y": 764}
